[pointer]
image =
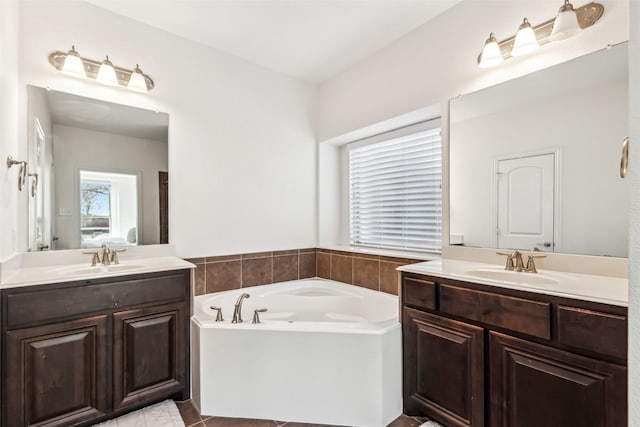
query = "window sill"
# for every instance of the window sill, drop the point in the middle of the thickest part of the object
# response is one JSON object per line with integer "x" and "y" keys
{"x": 383, "y": 252}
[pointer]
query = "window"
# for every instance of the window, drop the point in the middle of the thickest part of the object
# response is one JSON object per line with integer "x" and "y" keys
{"x": 95, "y": 208}
{"x": 108, "y": 209}
{"x": 395, "y": 190}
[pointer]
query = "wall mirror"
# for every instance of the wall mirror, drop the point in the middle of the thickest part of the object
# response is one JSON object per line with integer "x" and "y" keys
{"x": 535, "y": 161}
{"x": 98, "y": 173}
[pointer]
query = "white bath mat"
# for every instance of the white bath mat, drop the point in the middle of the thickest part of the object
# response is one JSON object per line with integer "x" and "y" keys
{"x": 430, "y": 424}
{"x": 163, "y": 414}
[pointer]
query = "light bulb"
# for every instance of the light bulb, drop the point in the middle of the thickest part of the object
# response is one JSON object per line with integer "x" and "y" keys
{"x": 566, "y": 23}
{"x": 137, "y": 81}
{"x": 73, "y": 65}
{"x": 491, "y": 54}
{"x": 107, "y": 74}
{"x": 525, "y": 41}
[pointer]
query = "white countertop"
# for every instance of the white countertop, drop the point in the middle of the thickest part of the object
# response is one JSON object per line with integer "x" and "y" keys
{"x": 43, "y": 274}
{"x": 588, "y": 287}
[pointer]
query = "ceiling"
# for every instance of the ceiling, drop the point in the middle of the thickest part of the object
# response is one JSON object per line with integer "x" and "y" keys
{"x": 311, "y": 40}
{"x": 102, "y": 116}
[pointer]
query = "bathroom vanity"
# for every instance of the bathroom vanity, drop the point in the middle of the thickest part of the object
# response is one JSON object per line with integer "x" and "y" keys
{"x": 80, "y": 351}
{"x": 488, "y": 352}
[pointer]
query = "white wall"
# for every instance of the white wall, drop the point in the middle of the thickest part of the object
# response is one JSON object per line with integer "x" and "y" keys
{"x": 241, "y": 143}
{"x": 437, "y": 62}
{"x": 634, "y": 237}
{"x": 9, "y": 196}
{"x": 76, "y": 149}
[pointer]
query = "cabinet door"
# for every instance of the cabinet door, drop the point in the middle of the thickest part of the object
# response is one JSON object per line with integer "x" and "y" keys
{"x": 443, "y": 369}
{"x": 150, "y": 353}
{"x": 534, "y": 385}
{"x": 56, "y": 374}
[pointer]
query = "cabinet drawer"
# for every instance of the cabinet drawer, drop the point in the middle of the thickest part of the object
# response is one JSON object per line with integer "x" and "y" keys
{"x": 419, "y": 293}
{"x": 45, "y": 305}
{"x": 517, "y": 314}
{"x": 601, "y": 333}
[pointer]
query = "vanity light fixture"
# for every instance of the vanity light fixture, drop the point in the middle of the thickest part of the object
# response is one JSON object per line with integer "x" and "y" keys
{"x": 525, "y": 41}
{"x": 104, "y": 72}
{"x": 530, "y": 37}
{"x": 566, "y": 23}
{"x": 107, "y": 74}
{"x": 73, "y": 64}
{"x": 137, "y": 81}
{"x": 491, "y": 54}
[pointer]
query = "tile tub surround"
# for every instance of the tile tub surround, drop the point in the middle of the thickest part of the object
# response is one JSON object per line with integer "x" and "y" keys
{"x": 375, "y": 272}
{"x": 221, "y": 273}
{"x": 226, "y": 272}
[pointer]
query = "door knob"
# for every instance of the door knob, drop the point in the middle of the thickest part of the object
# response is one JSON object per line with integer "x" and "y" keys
{"x": 544, "y": 244}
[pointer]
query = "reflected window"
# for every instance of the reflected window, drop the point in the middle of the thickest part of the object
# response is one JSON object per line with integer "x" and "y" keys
{"x": 108, "y": 209}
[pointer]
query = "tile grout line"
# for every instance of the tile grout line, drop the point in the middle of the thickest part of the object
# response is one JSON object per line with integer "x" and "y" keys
{"x": 205, "y": 276}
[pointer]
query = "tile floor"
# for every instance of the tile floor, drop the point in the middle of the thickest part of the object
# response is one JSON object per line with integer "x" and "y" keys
{"x": 192, "y": 418}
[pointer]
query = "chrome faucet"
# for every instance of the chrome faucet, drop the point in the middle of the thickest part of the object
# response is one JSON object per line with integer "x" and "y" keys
{"x": 237, "y": 311}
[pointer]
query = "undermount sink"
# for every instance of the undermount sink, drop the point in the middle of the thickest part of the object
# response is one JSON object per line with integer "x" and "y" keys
{"x": 98, "y": 269}
{"x": 513, "y": 276}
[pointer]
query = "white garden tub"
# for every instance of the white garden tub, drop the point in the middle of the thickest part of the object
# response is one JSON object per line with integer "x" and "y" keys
{"x": 324, "y": 352}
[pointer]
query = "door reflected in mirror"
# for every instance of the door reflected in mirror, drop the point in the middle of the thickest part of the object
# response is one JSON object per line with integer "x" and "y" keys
{"x": 534, "y": 161}
{"x": 101, "y": 173}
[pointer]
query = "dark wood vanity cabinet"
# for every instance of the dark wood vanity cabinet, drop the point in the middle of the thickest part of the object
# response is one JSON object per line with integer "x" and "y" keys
{"x": 149, "y": 360}
{"x": 56, "y": 374}
{"x": 81, "y": 352}
{"x": 537, "y": 385}
{"x": 444, "y": 368}
{"x": 476, "y": 355}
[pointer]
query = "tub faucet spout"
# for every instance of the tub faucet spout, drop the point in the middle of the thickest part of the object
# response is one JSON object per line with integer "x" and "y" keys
{"x": 237, "y": 311}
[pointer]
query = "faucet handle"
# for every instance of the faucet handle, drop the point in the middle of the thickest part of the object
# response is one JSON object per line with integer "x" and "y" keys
{"x": 219, "y": 315}
{"x": 536, "y": 256}
{"x": 509, "y": 264}
{"x": 114, "y": 255}
{"x": 95, "y": 259}
{"x": 531, "y": 265}
{"x": 256, "y": 318}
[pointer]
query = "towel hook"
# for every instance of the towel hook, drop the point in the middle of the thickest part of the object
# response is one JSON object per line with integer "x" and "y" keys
{"x": 34, "y": 184}
{"x": 22, "y": 174}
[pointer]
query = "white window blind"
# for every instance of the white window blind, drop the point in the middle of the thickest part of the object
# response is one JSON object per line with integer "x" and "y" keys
{"x": 396, "y": 192}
